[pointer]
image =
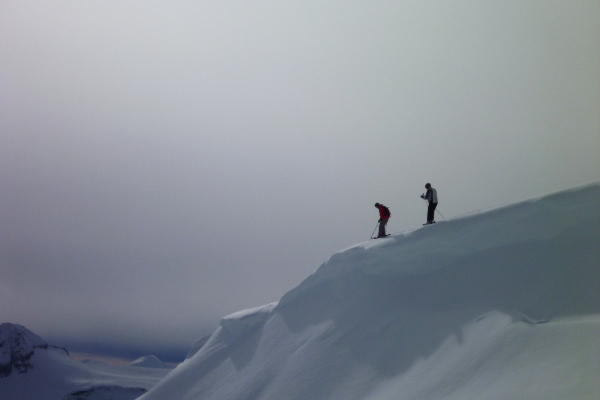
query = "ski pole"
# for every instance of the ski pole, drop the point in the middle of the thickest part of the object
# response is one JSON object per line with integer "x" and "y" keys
{"x": 435, "y": 209}
{"x": 374, "y": 230}
{"x": 439, "y": 213}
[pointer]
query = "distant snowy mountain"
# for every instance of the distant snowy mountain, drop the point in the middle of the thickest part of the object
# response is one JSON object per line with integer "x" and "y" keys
{"x": 149, "y": 362}
{"x": 17, "y": 346}
{"x": 31, "y": 369}
{"x": 501, "y": 304}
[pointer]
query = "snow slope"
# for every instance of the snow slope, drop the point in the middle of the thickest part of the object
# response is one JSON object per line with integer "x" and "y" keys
{"x": 501, "y": 304}
{"x": 34, "y": 370}
{"x": 196, "y": 346}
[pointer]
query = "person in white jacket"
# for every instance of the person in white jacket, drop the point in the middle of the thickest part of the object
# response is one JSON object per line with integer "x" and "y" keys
{"x": 432, "y": 199}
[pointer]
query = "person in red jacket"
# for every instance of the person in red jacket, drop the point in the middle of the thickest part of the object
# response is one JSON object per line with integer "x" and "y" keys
{"x": 384, "y": 216}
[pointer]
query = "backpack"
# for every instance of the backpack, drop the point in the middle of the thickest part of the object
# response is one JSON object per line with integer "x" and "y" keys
{"x": 386, "y": 211}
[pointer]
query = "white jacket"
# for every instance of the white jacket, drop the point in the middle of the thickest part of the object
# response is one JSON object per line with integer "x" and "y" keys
{"x": 431, "y": 195}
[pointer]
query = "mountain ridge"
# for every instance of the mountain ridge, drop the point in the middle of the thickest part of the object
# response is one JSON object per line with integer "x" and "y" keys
{"x": 17, "y": 347}
{"x": 451, "y": 311}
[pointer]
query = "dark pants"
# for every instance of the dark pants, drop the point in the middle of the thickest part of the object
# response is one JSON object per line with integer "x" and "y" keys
{"x": 382, "y": 224}
{"x": 431, "y": 212}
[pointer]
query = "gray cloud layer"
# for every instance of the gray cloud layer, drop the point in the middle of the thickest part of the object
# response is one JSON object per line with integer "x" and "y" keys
{"x": 166, "y": 163}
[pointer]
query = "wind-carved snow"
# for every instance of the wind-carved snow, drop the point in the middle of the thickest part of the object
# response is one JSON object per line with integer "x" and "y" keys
{"x": 494, "y": 305}
{"x": 196, "y": 346}
{"x": 245, "y": 321}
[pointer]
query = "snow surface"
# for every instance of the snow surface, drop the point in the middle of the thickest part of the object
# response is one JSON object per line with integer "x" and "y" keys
{"x": 52, "y": 374}
{"x": 501, "y": 304}
{"x": 196, "y": 346}
{"x": 243, "y": 321}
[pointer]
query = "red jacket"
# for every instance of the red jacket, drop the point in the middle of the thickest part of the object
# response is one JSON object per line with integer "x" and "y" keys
{"x": 381, "y": 212}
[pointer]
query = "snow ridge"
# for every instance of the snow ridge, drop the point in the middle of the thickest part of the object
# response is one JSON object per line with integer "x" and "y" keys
{"x": 196, "y": 346}
{"x": 421, "y": 251}
{"x": 244, "y": 322}
{"x": 500, "y": 304}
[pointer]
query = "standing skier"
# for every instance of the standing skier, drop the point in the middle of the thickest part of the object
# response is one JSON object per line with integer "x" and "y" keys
{"x": 384, "y": 216}
{"x": 432, "y": 199}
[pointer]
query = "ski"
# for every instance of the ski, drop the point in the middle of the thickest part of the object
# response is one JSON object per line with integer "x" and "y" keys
{"x": 380, "y": 237}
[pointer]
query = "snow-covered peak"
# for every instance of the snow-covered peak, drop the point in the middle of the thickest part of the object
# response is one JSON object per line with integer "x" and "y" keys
{"x": 149, "y": 361}
{"x": 17, "y": 346}
{"x": 53, "y": 374}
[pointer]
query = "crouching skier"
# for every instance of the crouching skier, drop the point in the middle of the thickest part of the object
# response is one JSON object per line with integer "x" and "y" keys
{"x": 384, "y": 216}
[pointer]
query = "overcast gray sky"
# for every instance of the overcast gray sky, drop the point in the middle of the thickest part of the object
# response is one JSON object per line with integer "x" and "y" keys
{"x": 165, "y": 163}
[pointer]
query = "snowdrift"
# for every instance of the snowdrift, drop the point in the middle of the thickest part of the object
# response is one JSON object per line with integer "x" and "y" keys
{"x": 498, "y": 304}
